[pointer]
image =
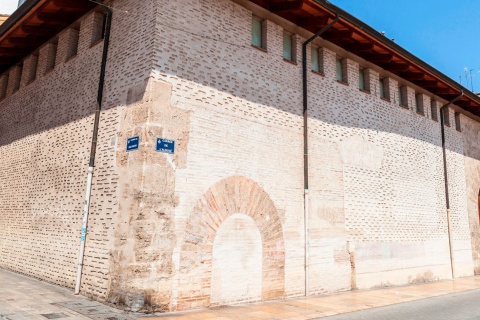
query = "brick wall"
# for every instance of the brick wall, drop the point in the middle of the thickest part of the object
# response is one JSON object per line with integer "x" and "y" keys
{"x": 46, "y": 129}
{"x": 44, "y": 141}
{"x": 165, "y": 228}
{"x": 376, "y": 196}
{"x": 471, "y": 135}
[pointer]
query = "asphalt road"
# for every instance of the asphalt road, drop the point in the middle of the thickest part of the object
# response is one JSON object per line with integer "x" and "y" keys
{"x": 458, "y": 306}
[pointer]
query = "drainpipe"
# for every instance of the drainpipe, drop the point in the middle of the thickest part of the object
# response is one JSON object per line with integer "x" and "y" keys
{"x": 305, "y": 144}
{"x": 93, "y": 148}
{"x": 445, "y": 173}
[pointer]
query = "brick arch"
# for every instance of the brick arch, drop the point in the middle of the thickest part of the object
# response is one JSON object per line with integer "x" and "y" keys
{"x": 227, "y": 197}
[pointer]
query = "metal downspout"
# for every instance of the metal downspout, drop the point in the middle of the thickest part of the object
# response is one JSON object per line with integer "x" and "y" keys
{"x": 93, "y": 148}
{"x": 445, "y": 174}
{"x": 305, "y": 144}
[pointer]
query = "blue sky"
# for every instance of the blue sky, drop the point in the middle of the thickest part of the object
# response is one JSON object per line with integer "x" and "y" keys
{"x": 443, "y": 33}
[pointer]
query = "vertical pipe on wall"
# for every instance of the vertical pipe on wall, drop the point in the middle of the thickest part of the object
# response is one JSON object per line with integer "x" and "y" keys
{"x": 445, "y": 175}
{"x": 305, "y": 143}
{"x": 307, "y": 243}
{"x": 93, "y": 148}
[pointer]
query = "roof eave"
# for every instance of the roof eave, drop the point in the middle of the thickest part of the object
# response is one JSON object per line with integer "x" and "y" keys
{"x": 17, "y": 15}
{"x": 395, "y": 47}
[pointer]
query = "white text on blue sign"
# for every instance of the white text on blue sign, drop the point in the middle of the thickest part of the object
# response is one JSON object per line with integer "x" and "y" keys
{"x": 165, "y": 146}
{"x": 133, "y": 143}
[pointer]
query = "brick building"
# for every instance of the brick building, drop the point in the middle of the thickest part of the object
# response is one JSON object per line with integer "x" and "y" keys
{"x": 234, "y": 212}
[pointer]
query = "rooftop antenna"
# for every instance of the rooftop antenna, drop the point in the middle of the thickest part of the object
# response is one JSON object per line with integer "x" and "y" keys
{"x": 460, "y": 77}
{"x": 471, "y": 78}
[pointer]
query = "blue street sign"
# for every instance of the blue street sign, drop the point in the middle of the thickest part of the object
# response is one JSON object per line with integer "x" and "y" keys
{"x": 133, "y": 143}
{"x": 165, "y": 146}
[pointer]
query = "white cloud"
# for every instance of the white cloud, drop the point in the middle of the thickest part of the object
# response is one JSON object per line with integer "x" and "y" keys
{"x": 8, "y": 6}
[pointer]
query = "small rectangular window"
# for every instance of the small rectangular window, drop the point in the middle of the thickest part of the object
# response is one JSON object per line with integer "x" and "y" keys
{"x": 98, "y": 28}
{"x": 104, "y": 27}
{"x": 51, "y": 56}
{"x": 31, "y": 69}
{"x": 384, "y": 88}
{"x": 17, "y": 77}
{"x": 446, "y": 116}
{"x": 72, "y": 48}
{"x": 419, "y": 103}
{"x": 403, "y": 96}
{"x": 257, "y": 32}
{"x": 338, "y": 66}
{"x": 3, "y": 85}
{"x": 288, "y": 46}
{"x": 457, "y": 121}
{"x": 316, "y": 59}
{"x": 339, "y": 69}
{"x": 362, "y": 80}
{"x": 434, "y": 110}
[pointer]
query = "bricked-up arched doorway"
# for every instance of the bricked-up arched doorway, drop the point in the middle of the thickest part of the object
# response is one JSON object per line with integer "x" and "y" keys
{"x": 231, "y": 196}
{"x": 237, "y": 262}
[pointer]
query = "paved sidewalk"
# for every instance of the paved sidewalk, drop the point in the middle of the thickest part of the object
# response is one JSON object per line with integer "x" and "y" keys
{"x": 24, "y": 298}
{"x": 328, "y": 305}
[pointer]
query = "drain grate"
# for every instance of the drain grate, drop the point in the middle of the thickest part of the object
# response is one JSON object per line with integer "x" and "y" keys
{"x": 55, "y": 315}
{"x": 88, "y": 311}
{"x": 109, "y": 317}
{"x": 94, "y": 310}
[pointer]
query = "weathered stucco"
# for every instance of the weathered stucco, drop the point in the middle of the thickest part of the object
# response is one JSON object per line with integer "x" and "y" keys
{"x": 141, "y": 255}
